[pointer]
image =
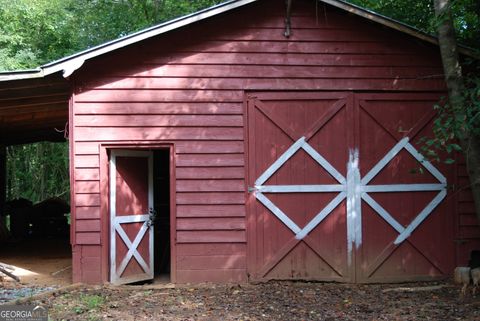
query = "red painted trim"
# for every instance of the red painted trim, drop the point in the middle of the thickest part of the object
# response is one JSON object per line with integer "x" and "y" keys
{"x": 250, "y": 180}
{"x": 104, "y": 213}
{"x": 105, "y": 197}
{"x": 173, "y": 216}
{"x": 456, "y": 216}
{"x": 245, "y": 181}
{"x": 301, "y": 94}
{"x": 395, "y": 96}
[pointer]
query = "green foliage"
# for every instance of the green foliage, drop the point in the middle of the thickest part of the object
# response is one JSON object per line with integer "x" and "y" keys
{"x": 89, "y": 303}
{"x": 33, "y": 32}
{"x": 420, "y": 14}
{"x": 452, "y": 123}
{"x": 38, "y": 171}
{"x": 412, "y": 12}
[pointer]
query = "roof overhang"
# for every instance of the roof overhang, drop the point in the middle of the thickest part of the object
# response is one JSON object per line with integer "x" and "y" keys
{"x": 33, "y": 109}
{"x": 21, "y": 74}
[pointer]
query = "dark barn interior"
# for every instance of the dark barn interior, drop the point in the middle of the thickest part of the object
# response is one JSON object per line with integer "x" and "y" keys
{"x": 161, "y": 183}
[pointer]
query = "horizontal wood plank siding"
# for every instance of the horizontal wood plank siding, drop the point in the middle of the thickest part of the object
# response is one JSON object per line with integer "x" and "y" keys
{"x": 468, "y": 227}
{"x": 211, "y": 210}
{"x": 158, "y": 108}
{"x": 190, "y": 93}
{"x": 209, "y": 236}
{"x": 208, "y": 262}
{"x": 229, "y": 185}
{"x": 164, "y": 120}
{"x": 212, "y": 275}
{"x": 210, "y": 173}
{"x": 210, "y": 160}
{"x": 204, "y": 249}
{"x": 211, "y": 223}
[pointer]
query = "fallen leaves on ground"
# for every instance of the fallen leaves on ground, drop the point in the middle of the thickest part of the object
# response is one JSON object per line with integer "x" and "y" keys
{"x": 268, "y": 301}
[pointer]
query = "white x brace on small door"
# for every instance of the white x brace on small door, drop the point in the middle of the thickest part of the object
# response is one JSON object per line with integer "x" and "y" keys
{"x": 139, "y": 223}
{"x": 354, "y": 189}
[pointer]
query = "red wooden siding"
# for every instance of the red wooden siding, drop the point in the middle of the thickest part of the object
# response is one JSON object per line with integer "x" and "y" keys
{"x": 187, "y": 88}
{"x": 468, "y": 229}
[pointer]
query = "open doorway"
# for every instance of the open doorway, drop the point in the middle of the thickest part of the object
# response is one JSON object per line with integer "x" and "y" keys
{"x": 139, "y": 187}
{"x": 161, "y": 186}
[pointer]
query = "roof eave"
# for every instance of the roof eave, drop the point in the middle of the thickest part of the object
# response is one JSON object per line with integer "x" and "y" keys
{"x": 21, "y": 74}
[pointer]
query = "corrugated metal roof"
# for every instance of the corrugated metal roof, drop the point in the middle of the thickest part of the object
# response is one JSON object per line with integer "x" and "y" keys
{"x": 69, "y": 64}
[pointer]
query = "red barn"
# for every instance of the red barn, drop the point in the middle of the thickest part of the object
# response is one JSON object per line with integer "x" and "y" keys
{"x": 219, "y": 148}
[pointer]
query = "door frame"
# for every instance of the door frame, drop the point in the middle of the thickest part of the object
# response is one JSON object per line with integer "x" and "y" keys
{"x": 105, "y": 200}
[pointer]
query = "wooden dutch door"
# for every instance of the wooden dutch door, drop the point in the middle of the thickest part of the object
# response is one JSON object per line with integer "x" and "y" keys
{"x": 131, "y": 215}
{"x": 334, "y": 195}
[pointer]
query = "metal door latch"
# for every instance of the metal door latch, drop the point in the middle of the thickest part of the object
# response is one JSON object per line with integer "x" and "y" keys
{"x": 152, "y": 214}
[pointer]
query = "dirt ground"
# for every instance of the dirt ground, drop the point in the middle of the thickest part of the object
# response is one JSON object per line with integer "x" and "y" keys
{"x": 40, "y": 262}
{"x": 46, "y": 266}
{"x": 270, "y": 301}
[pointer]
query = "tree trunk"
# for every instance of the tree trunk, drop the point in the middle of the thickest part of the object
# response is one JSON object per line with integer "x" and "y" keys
{"x": 454, "y": 79}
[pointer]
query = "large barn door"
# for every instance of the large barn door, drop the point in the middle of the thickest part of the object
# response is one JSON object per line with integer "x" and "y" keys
{"x": 131, "y": 216}
{"x": 406, "y": 226}
{"x": 340, "y": 191}
{"x": 298, "y": 151}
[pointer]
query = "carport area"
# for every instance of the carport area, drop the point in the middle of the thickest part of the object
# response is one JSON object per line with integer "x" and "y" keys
{"x": 33, "y": 109}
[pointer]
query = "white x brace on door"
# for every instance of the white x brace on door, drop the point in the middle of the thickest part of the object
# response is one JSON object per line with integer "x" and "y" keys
{"x": 131, "y": 215}
{"x": 354, "y": 189}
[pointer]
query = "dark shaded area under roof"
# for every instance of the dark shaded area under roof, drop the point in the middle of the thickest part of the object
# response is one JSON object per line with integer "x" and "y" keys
{"x": 33, "y": 110}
